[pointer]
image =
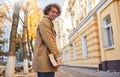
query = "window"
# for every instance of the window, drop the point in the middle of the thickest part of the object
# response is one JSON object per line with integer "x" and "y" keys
{"x": 74, "y": 51}
{"x": 85, "y": 47}
{"x": 67, "y": 55}
{"x": 108, "y": 33}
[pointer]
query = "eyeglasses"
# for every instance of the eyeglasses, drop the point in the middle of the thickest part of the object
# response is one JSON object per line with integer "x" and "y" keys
{"x": 54, "y": 12}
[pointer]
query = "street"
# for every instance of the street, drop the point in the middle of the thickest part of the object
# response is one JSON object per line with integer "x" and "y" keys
{"x": 67, "y": 71}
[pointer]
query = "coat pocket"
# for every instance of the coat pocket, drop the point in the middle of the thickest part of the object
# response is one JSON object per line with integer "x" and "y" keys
{"x": 42, "y": 49}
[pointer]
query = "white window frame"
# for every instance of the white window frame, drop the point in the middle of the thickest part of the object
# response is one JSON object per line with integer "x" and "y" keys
{"x": 68, "y": 55}
{"x": 84, "y": 46}
{"x": 74, "y": 51}
{"x": 108, "y": 35}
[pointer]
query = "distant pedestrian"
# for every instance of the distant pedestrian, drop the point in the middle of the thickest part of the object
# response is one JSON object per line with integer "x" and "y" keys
{"x": 46, "y": 42}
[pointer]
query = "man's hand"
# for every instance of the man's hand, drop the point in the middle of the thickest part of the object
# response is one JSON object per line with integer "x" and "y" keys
{"x": 59, "y": 62}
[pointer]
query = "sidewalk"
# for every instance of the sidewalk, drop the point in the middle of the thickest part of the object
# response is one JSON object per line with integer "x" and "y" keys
{"x": 90, "y": 73}
{"x": 68, "y": 71}
{"x": 21, "y": 74}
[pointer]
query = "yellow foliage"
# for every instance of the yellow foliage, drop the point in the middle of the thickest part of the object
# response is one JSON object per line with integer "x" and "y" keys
{"x": 34, "y": 18}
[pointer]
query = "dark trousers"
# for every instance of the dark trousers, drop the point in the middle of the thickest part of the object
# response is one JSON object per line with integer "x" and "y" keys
{"x": 45, "y": 74}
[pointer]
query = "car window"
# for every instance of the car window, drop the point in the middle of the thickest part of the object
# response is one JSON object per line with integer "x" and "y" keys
{"x": 1, "y": 63}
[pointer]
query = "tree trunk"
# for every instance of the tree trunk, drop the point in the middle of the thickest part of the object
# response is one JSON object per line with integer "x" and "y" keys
{"x": 32, "y": 50}
{"x": 24, "y": 40}
{"x": 10, "y": 68}
{"x": 31, "y": 40}
{"x": 29, "y": 47}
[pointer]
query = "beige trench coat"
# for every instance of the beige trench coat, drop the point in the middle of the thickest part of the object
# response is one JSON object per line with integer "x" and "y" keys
{"x": 45, "y": 41}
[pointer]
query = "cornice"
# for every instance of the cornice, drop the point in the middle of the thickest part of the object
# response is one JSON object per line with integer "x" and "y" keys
{"x": 91, "y": 16}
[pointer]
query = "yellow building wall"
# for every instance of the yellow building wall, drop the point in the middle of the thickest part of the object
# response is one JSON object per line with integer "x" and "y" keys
{"x": 64, "y": 56}
{"x": 114, "y": 10}
{"x": 93, "y": 60}
{"x": 97, "y": 55}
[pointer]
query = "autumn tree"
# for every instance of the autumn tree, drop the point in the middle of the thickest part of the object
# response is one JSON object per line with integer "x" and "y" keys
{"x": 4, "y": 15}
{"x": 25, "y": 9}
{"x": 34, "y": 16}
{"x": 10, "y": 69}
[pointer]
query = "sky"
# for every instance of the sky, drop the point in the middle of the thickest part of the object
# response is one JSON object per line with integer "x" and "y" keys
{"x": 43, "y": 3}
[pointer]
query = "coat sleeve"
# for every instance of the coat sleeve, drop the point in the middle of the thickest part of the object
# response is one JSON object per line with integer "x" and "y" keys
{"x": 48, "y": 37}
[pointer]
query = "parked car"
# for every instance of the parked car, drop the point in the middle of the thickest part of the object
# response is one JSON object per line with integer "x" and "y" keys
{"x": 29, "y": 67}
{"x": 18, "y": 67}
{"x": 2, "y": 68}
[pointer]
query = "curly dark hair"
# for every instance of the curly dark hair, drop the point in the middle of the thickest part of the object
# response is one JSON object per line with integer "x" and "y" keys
{"x": 48, "y": 8}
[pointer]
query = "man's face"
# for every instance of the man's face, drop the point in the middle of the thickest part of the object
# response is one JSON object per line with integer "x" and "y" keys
{"x": 53, "y": 13}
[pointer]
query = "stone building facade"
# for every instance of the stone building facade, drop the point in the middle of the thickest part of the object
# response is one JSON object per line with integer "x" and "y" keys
{"x": 90, "y": 35}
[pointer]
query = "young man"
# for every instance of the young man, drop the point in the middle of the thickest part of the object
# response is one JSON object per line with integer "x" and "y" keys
{"x": 45, "y": 42}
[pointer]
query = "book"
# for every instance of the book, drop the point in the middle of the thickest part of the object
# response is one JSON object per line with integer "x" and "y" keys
{"x": 53, "y": 60}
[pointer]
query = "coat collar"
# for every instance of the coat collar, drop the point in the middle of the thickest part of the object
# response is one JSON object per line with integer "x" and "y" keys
{"x": 48, "y": 17}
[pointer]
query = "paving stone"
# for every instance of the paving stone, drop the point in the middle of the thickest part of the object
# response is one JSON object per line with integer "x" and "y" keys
{"x": 67, "y": 71}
